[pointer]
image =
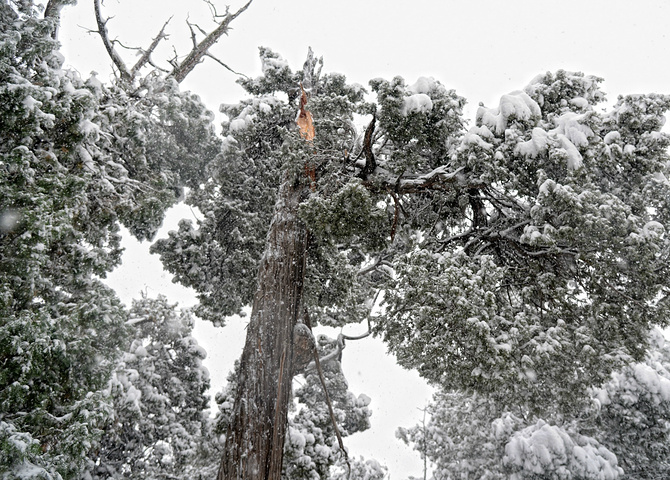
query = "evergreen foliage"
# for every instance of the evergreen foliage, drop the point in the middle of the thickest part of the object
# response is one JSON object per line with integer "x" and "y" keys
{"x": 522, "y": 261}
{"x": 622, "y": 433}
{"x": 160, "y": 420}
{"x": 77, "y": 160}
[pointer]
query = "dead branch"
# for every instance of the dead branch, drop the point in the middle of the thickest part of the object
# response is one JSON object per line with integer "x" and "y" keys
{"x": 331, "y": 412}
{"x": 224, "y": 65}
{"x": 214, "y": 11}
{"x": 113, "y": 54}
{"x": 310, "y": 74}
{"x": 146, "y": 56}
{"x": 179, "y": 69}
{"x": 200, "y": 50}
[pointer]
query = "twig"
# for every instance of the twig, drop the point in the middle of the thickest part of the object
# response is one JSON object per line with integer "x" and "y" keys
{"x": 224, "y": 65}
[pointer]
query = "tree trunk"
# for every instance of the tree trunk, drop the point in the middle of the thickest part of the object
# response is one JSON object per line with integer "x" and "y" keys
{"x": 255, "y": 438}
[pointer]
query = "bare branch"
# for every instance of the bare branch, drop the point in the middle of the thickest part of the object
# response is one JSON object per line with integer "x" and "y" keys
{"x": 146, "y": 56}
{"x": 113, "y": 54}
{"x": 224, "y": 65}
{"x": 194, "y": 39}
{"x": 331, "y": 412}
{"x": 212, "y": 8}
{"x": 192, "y": 59}
{"x": 150, "y": 62}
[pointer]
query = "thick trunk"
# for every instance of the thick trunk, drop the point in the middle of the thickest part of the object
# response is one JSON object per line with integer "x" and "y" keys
{"x": 255, "y": 438}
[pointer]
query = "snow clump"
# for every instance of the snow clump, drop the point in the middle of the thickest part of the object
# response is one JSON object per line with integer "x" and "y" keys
{"x": 419, "y": 101}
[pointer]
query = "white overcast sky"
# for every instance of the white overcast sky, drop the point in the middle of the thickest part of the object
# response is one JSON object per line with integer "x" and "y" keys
{"x": 483, "y": 49}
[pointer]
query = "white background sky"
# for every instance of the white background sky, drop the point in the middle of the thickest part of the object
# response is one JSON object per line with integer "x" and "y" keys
{"x": 482, "y": 49}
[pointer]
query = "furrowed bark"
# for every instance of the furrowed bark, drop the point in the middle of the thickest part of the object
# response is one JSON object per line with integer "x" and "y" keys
{"x": 255, "y": 439}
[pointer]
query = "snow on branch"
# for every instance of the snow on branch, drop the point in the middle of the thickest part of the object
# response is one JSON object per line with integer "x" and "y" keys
{"x": 435, "y": 179}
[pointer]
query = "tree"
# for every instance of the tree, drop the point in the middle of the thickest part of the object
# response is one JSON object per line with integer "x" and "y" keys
{"x": 633, "y": 413}
{"x": 525, "y": 258}
{"x": 78, "y": 159}
{"x": 622, "y": 434}
{"x": 60, "y": 325}
{"x": 158, "y": 392}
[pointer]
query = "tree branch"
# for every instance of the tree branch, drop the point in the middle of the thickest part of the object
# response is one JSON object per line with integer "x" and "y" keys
{"x": 192, "y": 59}
{"x": 331, "y": 412}
{"x": 113, "y": 54}
{"x": 146, "y": 56}
{"x": 52, "y": 11}
{"x": 479, "y": 214}
{"x": 434, "y": 180}
{"x": 224, "y": 65}
{"x": 370, "y": 162}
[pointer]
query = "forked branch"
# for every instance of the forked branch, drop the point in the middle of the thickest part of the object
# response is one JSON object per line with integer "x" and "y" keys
{"x": 146, "y": 55}
{"x": 180, "y": 70}
{"x": 109, "y": 46}
{"x": 201, "y": 49}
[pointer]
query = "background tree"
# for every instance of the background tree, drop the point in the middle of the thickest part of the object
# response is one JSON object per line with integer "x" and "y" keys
{"x": 77, "y": 160}
{"x": 623, "y": 433}
{"x": 159, "y": 399}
